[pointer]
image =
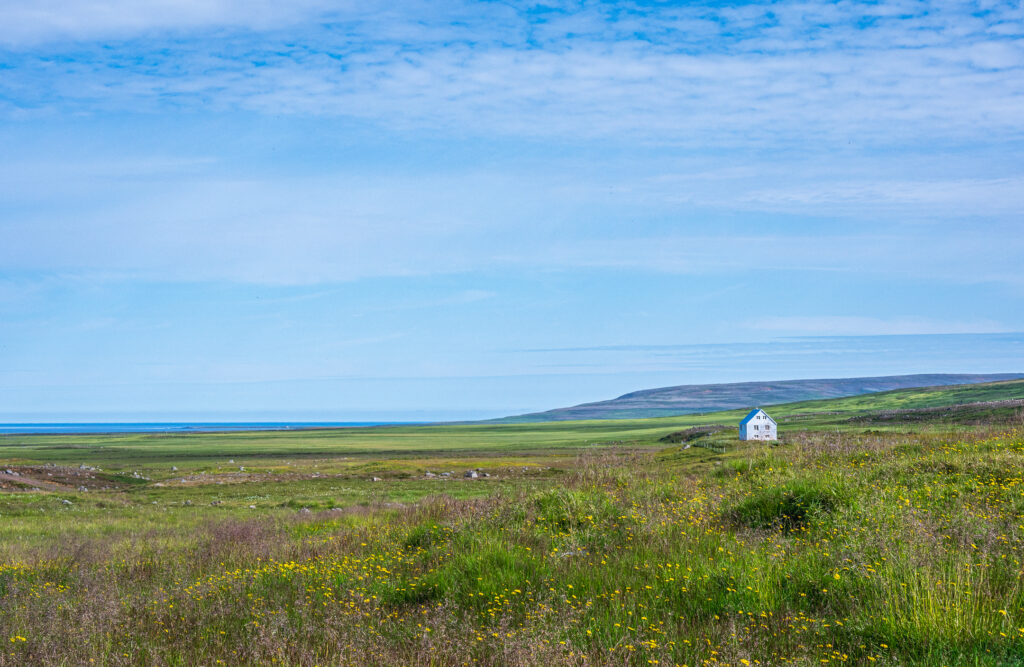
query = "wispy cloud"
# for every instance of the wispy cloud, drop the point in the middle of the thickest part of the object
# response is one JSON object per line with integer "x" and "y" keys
{"x": 844, "y": 325}
{"x": 185, "y": 221}
{"x": 271, "y": 192}
{"x": 940, "y": 197}
{"x": 836, "y": 73}
{"x": 24, "y": 25}
{"x": 844, "y": 113}
{"x": 955, "y": 256}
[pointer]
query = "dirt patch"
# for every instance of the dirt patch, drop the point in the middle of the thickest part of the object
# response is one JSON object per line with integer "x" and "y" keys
{"x": 15, "y": 480}
{"x": 56, "y": 478}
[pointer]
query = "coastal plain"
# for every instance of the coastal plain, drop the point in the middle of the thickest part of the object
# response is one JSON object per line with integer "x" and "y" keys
{"x": 881, "y": 529}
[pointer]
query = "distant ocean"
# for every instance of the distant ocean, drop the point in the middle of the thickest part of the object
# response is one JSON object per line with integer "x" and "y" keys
{"x": 182, "y": 427}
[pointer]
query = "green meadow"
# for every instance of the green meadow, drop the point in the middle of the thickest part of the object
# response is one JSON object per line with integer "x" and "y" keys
{"x": 881, "y": 529}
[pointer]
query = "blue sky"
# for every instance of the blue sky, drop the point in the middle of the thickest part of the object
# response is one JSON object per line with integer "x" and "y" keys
{"x": 339, "y": 210}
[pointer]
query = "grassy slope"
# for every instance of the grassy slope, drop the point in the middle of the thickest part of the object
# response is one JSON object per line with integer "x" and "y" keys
{"x": 925, "y": 397}
{"x": 212, "y": 449}
{"x": 899, "y": 544}
{"x": 690, "y": 399}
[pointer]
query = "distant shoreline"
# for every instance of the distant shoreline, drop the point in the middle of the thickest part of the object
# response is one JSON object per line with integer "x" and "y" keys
{"x": 114, "y": 428}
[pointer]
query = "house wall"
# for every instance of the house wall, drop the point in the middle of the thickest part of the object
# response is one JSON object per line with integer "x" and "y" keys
{"x": 768, "y": 429}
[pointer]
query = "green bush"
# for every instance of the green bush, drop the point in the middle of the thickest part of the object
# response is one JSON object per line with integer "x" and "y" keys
{"x": 793, "y": 506}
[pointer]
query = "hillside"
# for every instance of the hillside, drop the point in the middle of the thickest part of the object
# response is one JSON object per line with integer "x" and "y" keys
{"x": 700, "y": 398}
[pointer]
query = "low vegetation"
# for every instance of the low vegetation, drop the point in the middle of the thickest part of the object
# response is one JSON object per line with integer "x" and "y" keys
{"x": 588, "y": 543}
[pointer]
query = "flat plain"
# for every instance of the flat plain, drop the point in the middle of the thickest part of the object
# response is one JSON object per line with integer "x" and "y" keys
{"x": 882, "y": 529}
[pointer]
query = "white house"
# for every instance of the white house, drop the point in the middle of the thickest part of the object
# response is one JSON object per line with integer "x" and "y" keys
{"x": 758, "y": 426}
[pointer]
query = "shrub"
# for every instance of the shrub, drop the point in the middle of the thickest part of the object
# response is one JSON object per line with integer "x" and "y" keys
{"x": 792, "y": 506}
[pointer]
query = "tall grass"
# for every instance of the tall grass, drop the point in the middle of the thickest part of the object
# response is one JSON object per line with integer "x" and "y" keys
{"x": 837, "y": 547}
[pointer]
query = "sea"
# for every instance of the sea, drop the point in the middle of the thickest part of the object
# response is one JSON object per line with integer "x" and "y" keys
{"x": 181, "y": 427}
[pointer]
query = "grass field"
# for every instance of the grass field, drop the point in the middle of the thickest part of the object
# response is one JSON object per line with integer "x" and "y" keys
{"x": 882, "y": 529}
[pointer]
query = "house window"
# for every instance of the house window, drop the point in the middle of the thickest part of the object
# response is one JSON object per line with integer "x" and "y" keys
{"x": 756, "y": 427}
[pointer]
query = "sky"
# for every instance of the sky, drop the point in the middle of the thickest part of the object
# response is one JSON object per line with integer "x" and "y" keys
{"x": 245, "y": 209}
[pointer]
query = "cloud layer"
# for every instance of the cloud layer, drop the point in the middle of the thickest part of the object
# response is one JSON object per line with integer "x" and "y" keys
{"x": 188, "y": 220}
{"x": 756, "y": 74}
{"x": 46, "y": 22}
{"x": 243, "y": 204}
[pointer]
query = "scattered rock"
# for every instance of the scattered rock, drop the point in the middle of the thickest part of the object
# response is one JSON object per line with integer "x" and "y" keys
{"x": 252, "y": 507}
{"x": 446, "y": 474}
{"x": 174, "y": 468}
{"x": 376, "y": 479}
{"x": 216, "y": 502}
{"x": 187, "y": 503}
{"x": 83, "y": 489}
{"x": 231, "y": 461}
{"x": 158, "y": 484}
{"x": 429, "y": 474}
{"x": 305, "y": 510}
{"x": 66, "y": 502}
{"x": 472, "y": 474}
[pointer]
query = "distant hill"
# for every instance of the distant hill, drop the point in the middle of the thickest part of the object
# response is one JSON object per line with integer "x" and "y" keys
{"x": 696, "y": 398}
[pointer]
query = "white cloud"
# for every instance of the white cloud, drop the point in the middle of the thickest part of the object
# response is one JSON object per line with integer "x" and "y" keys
{"x": 185, "y": 219}
{"x": 751, "y": 75}
{"x": 39, "y": 21}
{"x": 953, "y": 256}
{"x": 937, "y": 196}
{"x": 298, "y": 230}
{"x": 802, "y": 89}
{"x": 841, "y": 325}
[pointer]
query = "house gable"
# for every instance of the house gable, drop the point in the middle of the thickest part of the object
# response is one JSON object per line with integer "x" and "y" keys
{"x": 755, "y": 413}
{"x": 757, "y": 425}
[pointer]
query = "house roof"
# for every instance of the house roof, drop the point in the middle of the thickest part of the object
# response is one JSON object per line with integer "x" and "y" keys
{"x": 752, "y": 414}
